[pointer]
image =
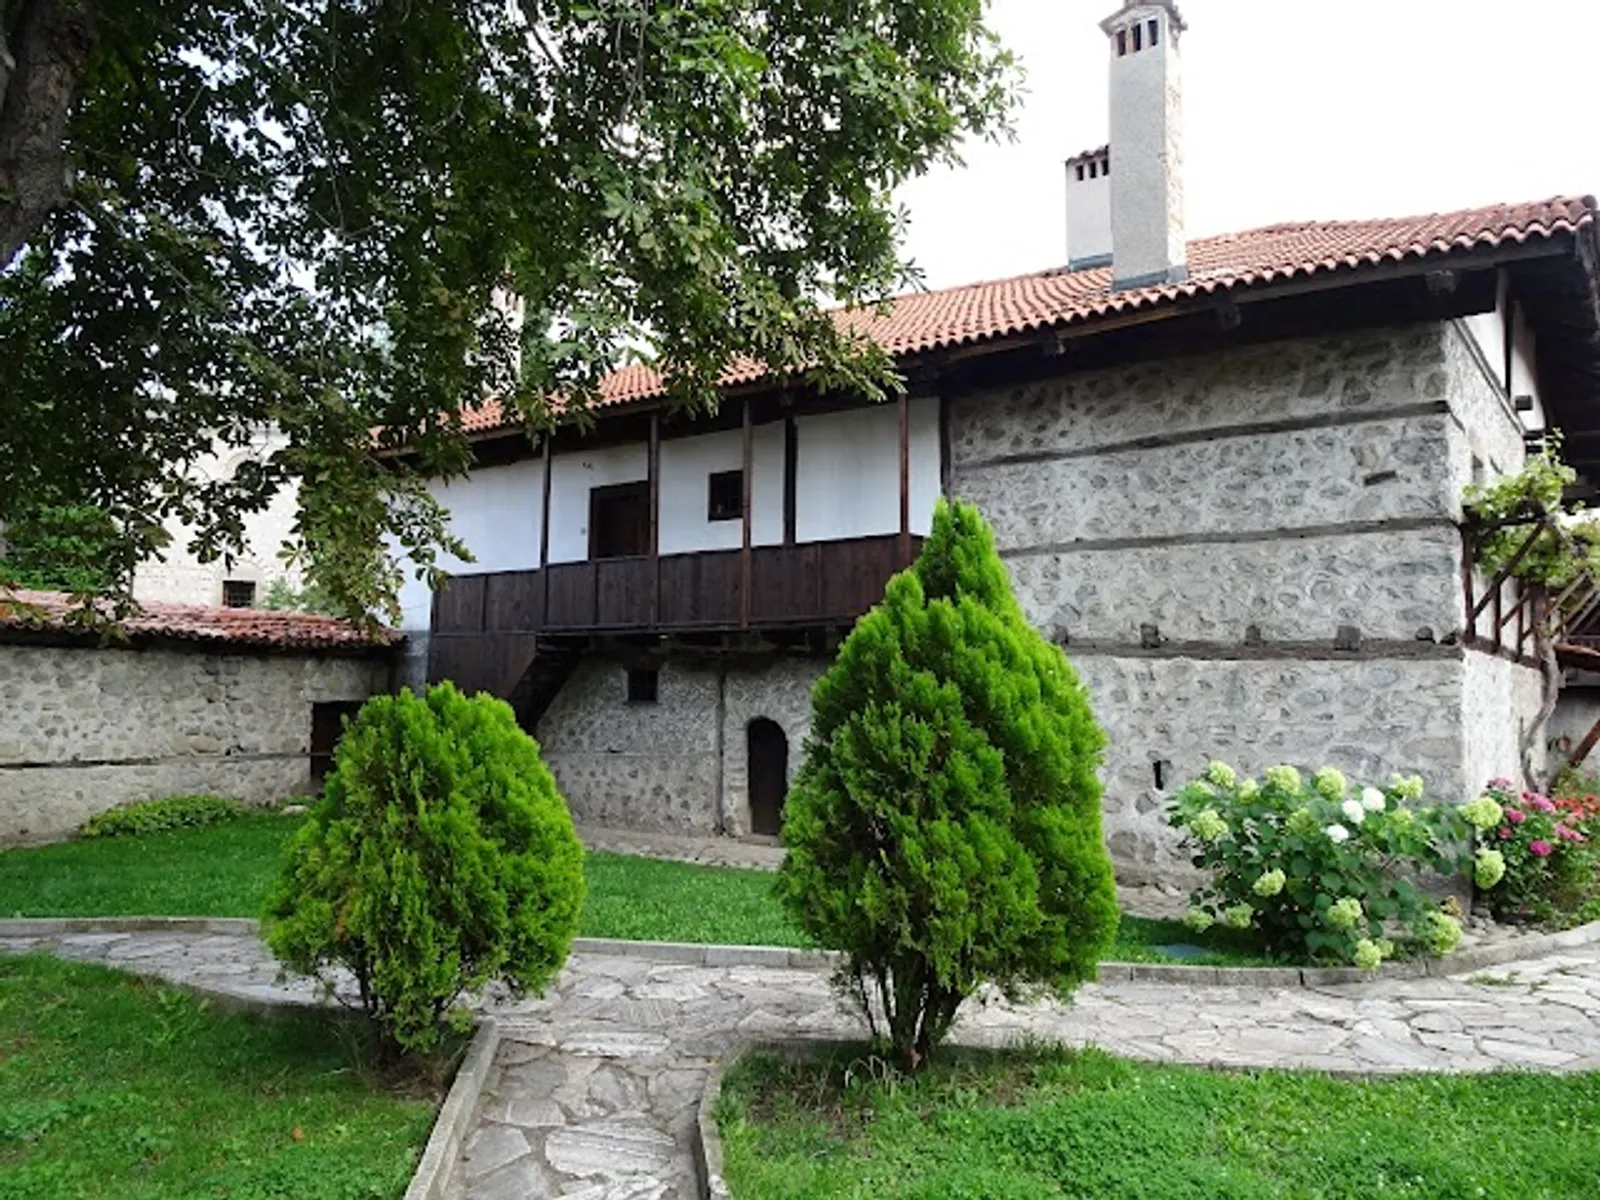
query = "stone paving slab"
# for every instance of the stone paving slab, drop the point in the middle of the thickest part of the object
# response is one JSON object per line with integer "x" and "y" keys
{"x": 594, "y": 1087}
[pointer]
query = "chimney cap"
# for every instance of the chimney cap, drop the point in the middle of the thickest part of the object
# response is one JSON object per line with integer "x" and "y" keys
{"x": 1179, "y": 25}
{"x": 1100, "y": 153}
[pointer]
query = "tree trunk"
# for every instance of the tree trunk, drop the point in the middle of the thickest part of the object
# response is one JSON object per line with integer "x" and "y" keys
{"x": 44, "y": 47}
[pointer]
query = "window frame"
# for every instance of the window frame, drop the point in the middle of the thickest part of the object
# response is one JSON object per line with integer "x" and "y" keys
{"x": 730, "y": 508}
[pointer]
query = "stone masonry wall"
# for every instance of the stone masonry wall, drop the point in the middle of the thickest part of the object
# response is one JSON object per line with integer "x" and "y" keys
{"x": 83, "y": 729}
{"x": 1197, "y": 530}
{"x": 645, "y": 766}
{"x": 679, "y": 765}
{"x": 1369, "y": 718}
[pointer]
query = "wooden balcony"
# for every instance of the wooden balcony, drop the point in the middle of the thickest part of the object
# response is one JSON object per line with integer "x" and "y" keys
{"x": 485, "y": 627}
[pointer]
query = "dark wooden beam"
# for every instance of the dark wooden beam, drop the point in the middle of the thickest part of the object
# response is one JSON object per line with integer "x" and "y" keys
{"x": 745, "y": 575}
{"x": 905, "y": 479}
{"x": 544, "y": 522}
{"x": 791, "y": 462}
{"x": 946, "y": 451}
{"x": 654, "y": 468}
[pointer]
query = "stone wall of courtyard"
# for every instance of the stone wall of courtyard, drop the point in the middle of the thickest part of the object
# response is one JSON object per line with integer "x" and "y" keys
{"x": 83, "y": 729}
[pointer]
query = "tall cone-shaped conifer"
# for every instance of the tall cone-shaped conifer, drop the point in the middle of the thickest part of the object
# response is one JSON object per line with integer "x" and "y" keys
{"x": 944, "y": 830}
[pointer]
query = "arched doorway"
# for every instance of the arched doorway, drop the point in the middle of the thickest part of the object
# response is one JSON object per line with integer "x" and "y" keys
{"x": 769, "y": 775}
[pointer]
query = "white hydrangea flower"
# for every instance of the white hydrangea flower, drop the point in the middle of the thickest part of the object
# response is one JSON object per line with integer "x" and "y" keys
{"x": 1337, "y": 834}
{"x": 1221, "y": 774}
{"x": 1373, "y": 800}
{"x": 1330, "y": 782}
{"x": 1353, "y": 811}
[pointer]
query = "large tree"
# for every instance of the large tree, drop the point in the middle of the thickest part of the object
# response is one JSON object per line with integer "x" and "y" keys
{"x": 314, "y": 213}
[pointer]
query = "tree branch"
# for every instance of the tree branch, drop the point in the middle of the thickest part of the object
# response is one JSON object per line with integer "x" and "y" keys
{"x": 53, "y": 41}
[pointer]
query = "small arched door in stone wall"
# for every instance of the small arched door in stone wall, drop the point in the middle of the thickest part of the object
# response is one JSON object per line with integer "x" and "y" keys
{"x": 769, "y": 775}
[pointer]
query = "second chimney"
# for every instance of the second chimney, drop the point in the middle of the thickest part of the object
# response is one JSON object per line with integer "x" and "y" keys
{"x": 1147, "y": 230}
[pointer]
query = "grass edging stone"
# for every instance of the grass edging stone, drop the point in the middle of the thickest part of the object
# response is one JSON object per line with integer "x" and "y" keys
{"x": 708, "y": 1138}
{"x": 695, "y": 954}
{"x": 442, "y": 1153}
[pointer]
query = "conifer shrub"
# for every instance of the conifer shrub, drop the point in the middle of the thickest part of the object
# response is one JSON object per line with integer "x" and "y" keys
{"x": 440, "y": 859}
{"x": 944, "y": 829}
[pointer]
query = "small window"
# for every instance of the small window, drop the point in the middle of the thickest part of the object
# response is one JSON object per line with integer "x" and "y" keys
{"x": 238, "y": 593}
{"x": 1122, "y": 42}
{"x": 1080, "y": 172}
{"x": 1155, "y": 32}
{"x": 643, "y": 684}
{"x": 1105, "y": 165}
{"x": 725, "y": 496}
{"x": 1138, "y": 38}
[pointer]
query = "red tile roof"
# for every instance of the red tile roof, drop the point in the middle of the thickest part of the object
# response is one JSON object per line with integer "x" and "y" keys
{"x": 978, "y": 312}
{"x": 193, "y": 622}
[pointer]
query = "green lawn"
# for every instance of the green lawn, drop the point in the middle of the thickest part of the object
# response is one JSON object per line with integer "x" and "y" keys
{"x": 1052, "y": 1123}
{"x": 225, "y": 871}
{"x": 111, "y": 1085}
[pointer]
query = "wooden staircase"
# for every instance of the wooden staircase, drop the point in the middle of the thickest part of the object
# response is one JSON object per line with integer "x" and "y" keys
{"x": 552, "y": 665}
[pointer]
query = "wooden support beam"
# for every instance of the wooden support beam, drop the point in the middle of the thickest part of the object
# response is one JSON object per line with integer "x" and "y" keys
{"x": 1590, "y": 739}
{"x": 945, "y": 449}
{"x": 791, "y": 462}
{"x": 905, "y": 480}
{"x": 654, "y": 468}
{"x": 544, "y": 529}
{"x": 744, "y": 547}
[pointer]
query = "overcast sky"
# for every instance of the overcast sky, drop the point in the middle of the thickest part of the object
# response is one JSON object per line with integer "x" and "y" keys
{"x": 1293, "y": 111}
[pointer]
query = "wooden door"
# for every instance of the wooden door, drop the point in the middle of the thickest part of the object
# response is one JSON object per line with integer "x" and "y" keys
{"x": 769, "y": 775}
{"x": 619, "y": 520}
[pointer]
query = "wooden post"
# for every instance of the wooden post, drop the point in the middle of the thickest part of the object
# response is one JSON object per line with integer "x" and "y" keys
{"x": 1499, "y": 619}
{"x": 791, "y": 459}
{"x": 944, "y": 444}
{"x": 1470, "y": 634}
{"x": 655, "y": 518}
{"x": 905, "y": 479}
{"x": 744, "y": 551}
{"x": 544, "y": 532}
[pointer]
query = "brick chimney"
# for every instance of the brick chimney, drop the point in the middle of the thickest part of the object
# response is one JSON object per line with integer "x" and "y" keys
{"x": 1148, "y": 245}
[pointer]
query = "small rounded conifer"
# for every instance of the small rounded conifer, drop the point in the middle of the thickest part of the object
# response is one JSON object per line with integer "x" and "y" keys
{"x": 441, "y": 858}
{"x": 944, "y": 830}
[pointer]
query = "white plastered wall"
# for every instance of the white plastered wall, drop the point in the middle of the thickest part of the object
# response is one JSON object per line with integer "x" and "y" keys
{"x": 847, "y": 472}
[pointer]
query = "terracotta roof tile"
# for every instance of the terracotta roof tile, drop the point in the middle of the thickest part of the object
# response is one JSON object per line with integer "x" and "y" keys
{"x": 977, "y": 312}
{"x": 199, "y": 623}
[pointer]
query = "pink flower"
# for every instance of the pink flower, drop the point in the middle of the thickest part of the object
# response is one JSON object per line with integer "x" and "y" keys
{"x": 1505, "y": 833}
{"x": 1540, "y": 848}
{"x": 1502, "y": 784}
{"x": 1541, "y": 804}
{"x": 1568, "y": 834}
{"x": 1516, "y": 816}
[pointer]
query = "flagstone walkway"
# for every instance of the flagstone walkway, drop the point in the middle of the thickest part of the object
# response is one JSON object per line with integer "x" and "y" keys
{"x": 594, "y": 1089}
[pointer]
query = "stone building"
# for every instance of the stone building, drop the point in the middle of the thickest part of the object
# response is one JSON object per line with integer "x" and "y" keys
{"x": 1225, "y": 474}
{"x": 177, "y": 576}
{"x": 193, "y": 700}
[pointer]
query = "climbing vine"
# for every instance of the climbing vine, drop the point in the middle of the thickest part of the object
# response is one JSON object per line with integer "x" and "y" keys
{"x": 1506, "y": 512}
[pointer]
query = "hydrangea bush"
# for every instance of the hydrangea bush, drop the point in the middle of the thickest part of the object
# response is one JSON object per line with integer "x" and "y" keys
{"x": 1544, "y": 851}
{"x": 1319, "y": 869}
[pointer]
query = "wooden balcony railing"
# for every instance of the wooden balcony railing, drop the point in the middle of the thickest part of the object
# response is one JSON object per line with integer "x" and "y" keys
{"x": 1565, "y": 615}
{"x": 816, "y": 584}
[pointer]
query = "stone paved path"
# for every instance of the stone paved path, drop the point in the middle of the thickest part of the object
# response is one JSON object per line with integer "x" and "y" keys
{"x": 594, "y": 1089}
